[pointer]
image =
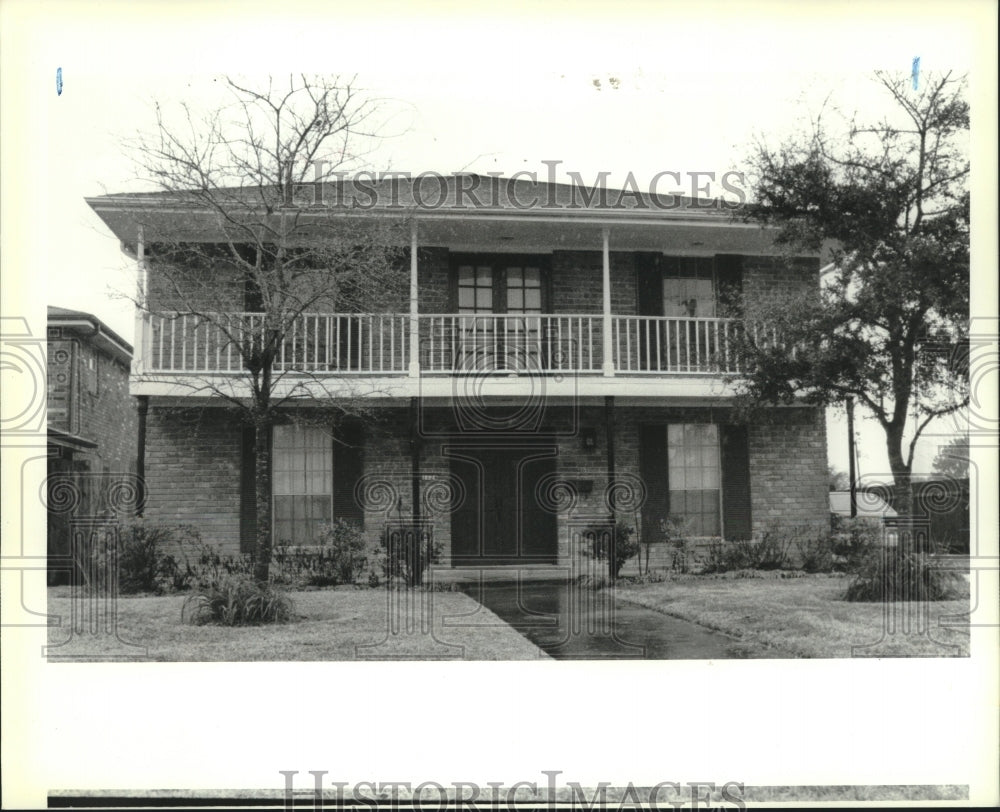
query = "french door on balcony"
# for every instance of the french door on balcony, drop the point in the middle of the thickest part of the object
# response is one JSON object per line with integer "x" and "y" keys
{"x": 500, "y": 300}
{"x": 683, "y": 298}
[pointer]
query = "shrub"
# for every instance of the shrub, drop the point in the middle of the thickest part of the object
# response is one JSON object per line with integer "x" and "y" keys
{"x": 856, "y": 541}
{"x": 769, "y": 551}
{"x": 203, "y": 566}
{"x": 817, "y": 554}
{"x": 891, "y": 574}
{"x": 716, "y": 557}
{"x": 237, "y": 600}
{"x": 337, "y": 558}
{"x": 139, "y": 557}
{"x": 674, "y": 531}
{"x": 652, "y": 577}
{"x": 594, "y": 582}
{"x": 406, "y": 552}
{"x": 343, "y": 545}
{"x": 597, "y": 538}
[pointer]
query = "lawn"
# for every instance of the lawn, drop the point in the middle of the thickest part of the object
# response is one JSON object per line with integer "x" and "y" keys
{"x": 769, "y": 616}
{"x": 805, "y": 616}
{"x": 343, "y": 623}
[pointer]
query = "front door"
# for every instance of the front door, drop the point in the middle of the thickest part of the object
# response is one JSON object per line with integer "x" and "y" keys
{"x": 501, "y": 519}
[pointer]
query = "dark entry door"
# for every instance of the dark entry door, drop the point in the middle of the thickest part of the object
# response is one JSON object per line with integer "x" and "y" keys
{"x": 501, "y": 520}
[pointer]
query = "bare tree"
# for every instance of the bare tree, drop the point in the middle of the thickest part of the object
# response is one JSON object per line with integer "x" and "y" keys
{"x": 246, "y": 258}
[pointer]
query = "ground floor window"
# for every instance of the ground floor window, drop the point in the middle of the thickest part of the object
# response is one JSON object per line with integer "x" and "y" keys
{"x": 302, "y": 482}
{"x": 694, "y": 476}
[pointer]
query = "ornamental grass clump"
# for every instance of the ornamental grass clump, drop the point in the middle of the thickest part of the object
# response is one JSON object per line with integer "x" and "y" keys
{"x": 236, "y": 600}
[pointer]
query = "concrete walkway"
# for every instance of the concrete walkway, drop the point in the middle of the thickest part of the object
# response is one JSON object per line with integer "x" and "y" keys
{"x": 569, "y": 621}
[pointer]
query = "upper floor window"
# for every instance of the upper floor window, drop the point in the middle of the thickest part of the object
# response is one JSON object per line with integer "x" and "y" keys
{"x": 475, "y": 289}
{"x": 689, "y": 287}
{"x": 496, "y": 284}
{"x": 524, "y": 289}
{"x": 490, "y": 289}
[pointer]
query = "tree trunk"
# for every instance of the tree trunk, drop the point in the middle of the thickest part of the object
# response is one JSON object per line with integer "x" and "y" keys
{"x": 903, "y": 497}
{"x": 902, "y": 501}
{"x": 262, "y": 494}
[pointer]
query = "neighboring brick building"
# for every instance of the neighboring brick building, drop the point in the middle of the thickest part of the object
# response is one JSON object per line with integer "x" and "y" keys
{"x": 92, "y": 424}
{"x": 556, "y": 363}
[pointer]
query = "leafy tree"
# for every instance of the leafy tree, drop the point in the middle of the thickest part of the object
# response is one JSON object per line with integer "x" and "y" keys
{"x": 838, "y": 479}
{"x": 241, "y": 235}
{"x": 891, "y": 321}
{"x": 952, "y": 460}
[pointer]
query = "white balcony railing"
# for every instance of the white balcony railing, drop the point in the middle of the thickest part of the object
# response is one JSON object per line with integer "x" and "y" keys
{"x": 672, "y": 345}
{"x": 380, "y": 344}
{"x": 316, "y": 343}
{"x": 516, "y": 343}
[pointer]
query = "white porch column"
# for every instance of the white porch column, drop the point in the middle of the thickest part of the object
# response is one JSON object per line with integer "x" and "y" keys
{"x": 414, "y": 369}
{"x": 141, "y": 291}
{"x": 609, "y": 366}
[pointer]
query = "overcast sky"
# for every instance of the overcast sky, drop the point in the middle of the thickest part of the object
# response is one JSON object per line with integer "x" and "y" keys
{"x": 660, "y": 89}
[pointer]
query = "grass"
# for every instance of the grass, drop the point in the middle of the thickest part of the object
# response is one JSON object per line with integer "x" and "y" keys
{"x": 769, "y": 616}
{"x": 804, "y": 616}
{"x": 343, "y": 623}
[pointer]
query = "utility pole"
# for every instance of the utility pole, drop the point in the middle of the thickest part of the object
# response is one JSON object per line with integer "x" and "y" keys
{"x": 851, "y": 472}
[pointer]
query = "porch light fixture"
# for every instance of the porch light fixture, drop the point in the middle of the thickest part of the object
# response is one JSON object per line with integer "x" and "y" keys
{"x": 589, "y": 438}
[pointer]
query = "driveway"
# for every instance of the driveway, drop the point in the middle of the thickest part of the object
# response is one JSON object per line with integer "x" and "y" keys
{"x": 568, "y": 621}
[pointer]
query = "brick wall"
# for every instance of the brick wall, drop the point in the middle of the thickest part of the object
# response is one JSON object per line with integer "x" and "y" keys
{"x": 220, "y": 289}
{"x": 387, "y": 469}
{"x": 767, "y": 275}
{"x": 575, "y": 282}
{"x": 788, "y": 475}
{"x": 787, "y": 466}
{"x": 432, "y": 278}
{"x": 788, "y": 471}
{"x": 193, "y": 469}
{"x": 193, "y": 472}
{"x": 88, "y": 396}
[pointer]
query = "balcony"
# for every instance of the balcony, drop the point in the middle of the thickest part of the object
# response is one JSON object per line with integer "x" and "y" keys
{"x": 381, "y": 344}
{"x": 397, "y": 355}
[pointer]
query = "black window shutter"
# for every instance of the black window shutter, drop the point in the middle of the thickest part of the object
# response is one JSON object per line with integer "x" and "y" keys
{"x": 653, "y": 470}
{"x": 248, "y": 492}
{"x": 729, "y": 279}
{"x": 453, "y": 284}
{"x": 547, "y": 284}
{"x": 736, "y": 519}
{"x": 348, "y": 468}
{"x": 648, "y": 284}
{"x": 253, "y": 299}
{"x": 649, "y": 302}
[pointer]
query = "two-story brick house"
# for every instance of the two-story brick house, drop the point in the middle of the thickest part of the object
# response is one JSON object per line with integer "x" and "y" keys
{"x": 558, "y": 355}
{"x": 92, "y": 424}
